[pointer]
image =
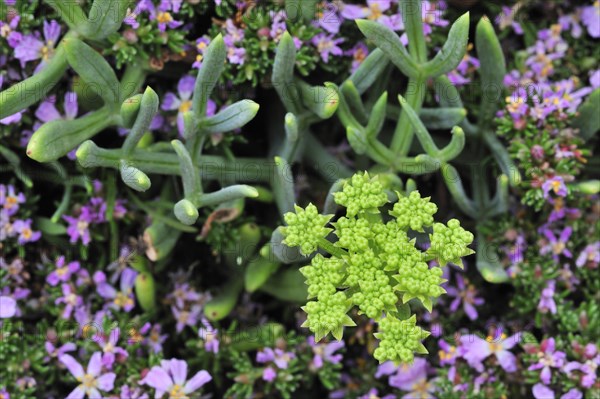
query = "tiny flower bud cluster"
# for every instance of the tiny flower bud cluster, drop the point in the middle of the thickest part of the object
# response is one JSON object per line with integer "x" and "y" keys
{"x": 375, "y": 264}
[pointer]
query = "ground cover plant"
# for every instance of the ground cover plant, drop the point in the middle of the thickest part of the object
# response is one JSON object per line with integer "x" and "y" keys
{"x": 299, "y": 199}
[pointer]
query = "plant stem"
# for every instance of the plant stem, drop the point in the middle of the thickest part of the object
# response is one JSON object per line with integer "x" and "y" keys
{"x": 331, "y": 249}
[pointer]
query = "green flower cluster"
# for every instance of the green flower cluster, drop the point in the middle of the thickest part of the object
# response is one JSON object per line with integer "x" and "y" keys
{"x": 374, "y": 262}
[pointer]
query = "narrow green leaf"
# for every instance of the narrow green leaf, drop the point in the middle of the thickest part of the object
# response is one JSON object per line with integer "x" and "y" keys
{"x": 453, "y": 50}
{"x": 488, "y": 262}
{"x": 147, "y": 109}
{"x": 71, "y": 13}
{"x": 258, "y": 272}
{"x": 186, "y": 212}
{"x": 283, "y": 186}
{"x": 283, "y": 73}
{"x": 288, "y": 285}
{"x": 224, "y": 301}
{"x": 502, "y": 157}
{"x": 492, "y": 69}
{"x": 420, "y": 129}
{"x": 56, "y": 138}
{"x": 321, "y": 100}
{"x": 145, "y": 291}
{"x": 34, "y": 88}
{"x": 226, "y": 194}
{"x": 389, "y": 42}
{"x": 456, "y": 188}
{"x": 455, "y": 147}
{"x": 412, "y": 16}
{"x": 357, "y": 139}
{"x": 369, "y": 70}
{"x": 192, "y": 184}
{"x": 105, "y": 17}
{"x": 442, "y": 118}
{"x": 377, "y": 118}
{"x": 208, "y": 76}
{"x": 233, "y": 117}
{"x": 133, "y": 177}
{"x": 355, "y": 104}
{"x": 47, "y": 226}
{"x": 130, "y": 109}
{"x": 93, "y": 69}
{"x": 588, "y": 118}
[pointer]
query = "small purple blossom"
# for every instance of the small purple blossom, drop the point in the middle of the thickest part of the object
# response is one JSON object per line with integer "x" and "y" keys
{"x": 547, "y": 303}
{"x": 557, "y": 245}
{"x": 10, "y": 200}
{"x": 590, "y": 18}
{"x": 57, "y": 352}
{"x": 465, "y": 294}
{"x": 589, "y": 256}
{"x": 70, "y": 299}
{"x": 182, "y": 101}
{"x": 91, "y": 381}
{"x": 325, "y": 353}
{"x": 171, "y": 378}
{"x": 555, "y": 184}
{"x": 26, "y": 234}
{"x": 326, "y": 45}
{"x": 549, "y": 358}
{"x": 209, "y": 335}
{"x": 186, "y": 317}
{"x": 123, "y": 298}
{"x": 31, "y": 47}
{"x": 109, "y": 347}
{"x": 8, "y": 307}
{"x": 478, "y": 349}
{"x": 63, "y": 271}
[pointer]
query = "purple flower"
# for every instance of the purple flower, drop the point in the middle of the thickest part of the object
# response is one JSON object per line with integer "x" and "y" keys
{"x": 547, "y": 300}
{"x": 325, "y": 352}
{"x": 571, "y": 21}
{"x": 53, "y": 351}
{"x": 10, "y": 200}
{"x": 33, "y": 48}
{"x": 277, "y": 356}
{"x": 588, "y": 370}
{"x": 184, "y": 293}
{"x": 122, "y": 299}
{"x": 358, "y": 53}
{"x": 109, "y": 347}
{"x": 464, "y": 293}
{"x": 162, "y": 15}
{"x": 557, "y": 245}
{"x": 63, "y": 272}
{"x": 589, "y": 256}
{"x": 540, "y": 391}
{"x": 327, "y": 45}
{"x": 590, "y": 18}
{"x": 129, "y": 393}
{"x": 595, "y": 79}
{"x": 70, "y": 299}
{"x": 183, "y": 102}
{"x": 406, "y": 374}
{"x": 269, "y": 374}
{"x": 478, "y": 349}
{"x": 556, "y": 184}
{"x": 79, "y": 226}
{"x": 549, "y": 358}
{"x": 171, "y": 377}
{"x": 374, "y": 10}
{"x": 186, "y": 317}
{"x": 8, "y": 30}
{"x": 372, "y": 394}
{"x": 47, "y": 111}
{"x": 507, "y": 18}
{"x": 91, "y": 382}
{"x": 155, "y": 339}
{"x": 209, "y": 335}
{"x": 23, "y": 228}
{"x": 8, "y": 307}
{"x": 327, "y": 17}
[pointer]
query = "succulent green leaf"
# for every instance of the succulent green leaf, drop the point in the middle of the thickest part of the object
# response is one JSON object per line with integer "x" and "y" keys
{"x": 377, "y": 118}
{"x": 321, "y": 100}
{"x": 258, "y": 272}
{"x": 369, "y": 70}
{"x": 192, "y": 185}
{"x": 283, "y": 185}
{"x": 442, "y": 118}
{"x": 147, "y": 109}
{"x": 287, "y": 285}
{"x": 105, "y": 17}
{"x": 355, "y": 104}
{"x": 420, "y": 129}
{"x": 588, "y": 117}
{"x": 357, "y": 139}
{"x": 453, "y": 50}
{"x": 224, "y": 301}
{"x": 389, "y": 42}
{"x": 159, "y": 240}
{"x": 133, "y": 177}
{"x": 186, "y": 212}
{"x": 94, "y": 70}
{"x": 208, "y": 76}
{"x": 71, "y": 13}
{"x": 283, "y": 73}
{"x": 145, "y": 291}
{"x": 56, "y": 138}
{"x": 226, "y": 194}
{"x": 455, "y": 147}
{"x": 130, "y": 109}
{"x": 233, "y": 117}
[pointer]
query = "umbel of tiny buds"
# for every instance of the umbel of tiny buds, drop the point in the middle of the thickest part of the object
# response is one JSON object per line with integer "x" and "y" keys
{"x": 374, "y": 265}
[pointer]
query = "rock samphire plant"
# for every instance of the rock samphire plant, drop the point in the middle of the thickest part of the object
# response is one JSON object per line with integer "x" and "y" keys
{"x": 375, "y": 264}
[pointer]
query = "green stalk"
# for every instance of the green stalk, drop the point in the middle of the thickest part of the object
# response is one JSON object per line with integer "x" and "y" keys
{"x": 413, "y": 21}
{"x": 403, "y": 135}
{"x": 331, "y": 249}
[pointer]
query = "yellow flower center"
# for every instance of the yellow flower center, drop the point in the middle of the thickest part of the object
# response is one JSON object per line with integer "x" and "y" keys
{"x": 375, "y": 11}
{"x": 164, "y": 17}
{"x": 558, "y": 248}
{"x": 556, "y": 186}
{"x": 177, "y": 392}
{"x": 185, "y": 106}
{"x": 88, "y": 381}
{"x": 495, "y": 346}
{"x": 82, "y": 225}
{"x": 10, "y": 202}
{"x": 61, "y": 271}
{"x": 27, "y": 233}
{"x": 122, "y": 300}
